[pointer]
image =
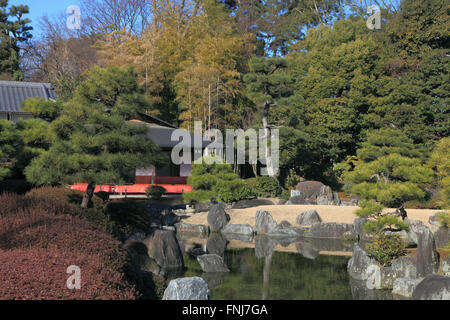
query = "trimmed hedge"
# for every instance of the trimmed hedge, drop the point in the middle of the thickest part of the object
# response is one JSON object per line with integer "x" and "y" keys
{"x": 216, "y": 181}
{"x": 265, "y": 186}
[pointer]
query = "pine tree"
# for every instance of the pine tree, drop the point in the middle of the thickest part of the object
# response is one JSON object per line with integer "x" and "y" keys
{"x": 93, "y": 141}
{"x": 386, "y": 171}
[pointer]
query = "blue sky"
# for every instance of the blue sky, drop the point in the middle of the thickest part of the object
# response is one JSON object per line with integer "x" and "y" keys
{"x": 38, "y": 8}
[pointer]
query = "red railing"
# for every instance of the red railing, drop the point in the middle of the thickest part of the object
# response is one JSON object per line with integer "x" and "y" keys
{"x": 161, "y": 180}
{"x": 134, "y": 188}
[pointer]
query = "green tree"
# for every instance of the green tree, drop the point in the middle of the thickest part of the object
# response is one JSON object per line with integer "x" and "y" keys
{"x": 36, "y": 137}
{"x": 10, "y": 147}
{"x": 212, "y": 180}
{"x": 439, "y": 161}
{"x": 387, "y": 171}
{"x": 93, "y": 140}
{"x": 270, "y": 88}
{"x": 44, "y": 109}
{"x": 15, "y": 30}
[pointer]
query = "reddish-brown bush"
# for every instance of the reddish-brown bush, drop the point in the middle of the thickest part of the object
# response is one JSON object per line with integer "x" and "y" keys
{"x": 37, "y": 244}
{"x": 40, "y": 274}
{"x": 64, "y": 195}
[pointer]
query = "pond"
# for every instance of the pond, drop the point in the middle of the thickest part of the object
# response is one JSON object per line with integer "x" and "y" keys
{"x": 263, "y": 270}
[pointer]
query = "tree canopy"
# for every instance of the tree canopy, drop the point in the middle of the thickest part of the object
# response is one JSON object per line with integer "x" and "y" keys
{"x": 93, "y": 141}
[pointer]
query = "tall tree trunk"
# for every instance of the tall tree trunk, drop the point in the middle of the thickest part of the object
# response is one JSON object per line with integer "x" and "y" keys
{"x": 88, "y": 194}
{"x": 272, "y": 172}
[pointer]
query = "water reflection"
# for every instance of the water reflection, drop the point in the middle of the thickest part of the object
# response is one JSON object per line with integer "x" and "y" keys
{"x": 271, "y": 268}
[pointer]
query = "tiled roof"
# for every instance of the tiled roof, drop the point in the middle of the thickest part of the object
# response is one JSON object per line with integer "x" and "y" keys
{"x": 13, "y": 93}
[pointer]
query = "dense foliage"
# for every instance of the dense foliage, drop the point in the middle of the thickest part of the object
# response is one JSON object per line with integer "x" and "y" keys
{"x": 93, "y": 141}
{"x": 265, "y": 186}
{"x": 385, "y": 248}
{"x": 155, "y": 192}
{"x": 212, "y": 180}
{"x": 39, "y": 241}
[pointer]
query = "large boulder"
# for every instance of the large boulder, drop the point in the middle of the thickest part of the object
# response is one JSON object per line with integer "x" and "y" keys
{"x": 442, "y": 237}
{"x": 244, "y": 204}
{"x": 300, "y": 199}
{"x": 212, "y": 263}
{"x": 328, "y": 197}
{"x": 265, "y": 224}
{"x": 241, "y": 229}
{"x": 414, "y": 227}
{"x": 433, "y": 287}
{"x": 202, "y": 206}
{"x": 240, "y": 232}
{"x": 427, "y": 256}
{"x": 308, "y": 218}
{"x": 403, "y": 267}
{"x": 198, "y": 230}
{"x": 169, "y": 218}
{"x": 433, "y": 220}
{"x": 137, "y": 252}
{"x": 446, "y": 267}
{"x": 359, "y": 228}
{"x": 216, "y": 244}
{"x": 360, "y": 291}
{"x": 331, "y": 230}
{"x": 217, "y": 218}
{"x": 405, "y": 286}
{"x": 359, "y": 265}
{"x": 163, "y": 246}
{"x": 187, "y": 289}
{"x": 374, "y": 277}
{"x": 310, "y": 189}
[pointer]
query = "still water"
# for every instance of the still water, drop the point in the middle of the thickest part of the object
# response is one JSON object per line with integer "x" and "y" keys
{"x": 261, "y": 271}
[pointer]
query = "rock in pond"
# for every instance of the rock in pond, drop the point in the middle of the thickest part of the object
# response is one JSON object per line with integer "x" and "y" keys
{"x": 427, "y": 256}
{"x": 163, "y": 246}
{"x": 216, "y": 244}
{"x": 359, "y": 223}
{"x": 217, "y": 218}
{"x": 405, "y": 286}
{"x": 403, "y": 267}
{"x": 358, "y": 265}
{"x": 265, "y": 224}
{"x": 212, "y": 263}
{"x": 241, "y": 229}
{"x": 442, "y": 237}
{"x": 199, "y": 230}
{"x": 331, "y": 230}
{"x": 187, "y": 289}
{"x": 414, "y": 227}
{"x": 308, "y": 218}
{"x": 433, "y": 287}
{"x": 446, "y": 267}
